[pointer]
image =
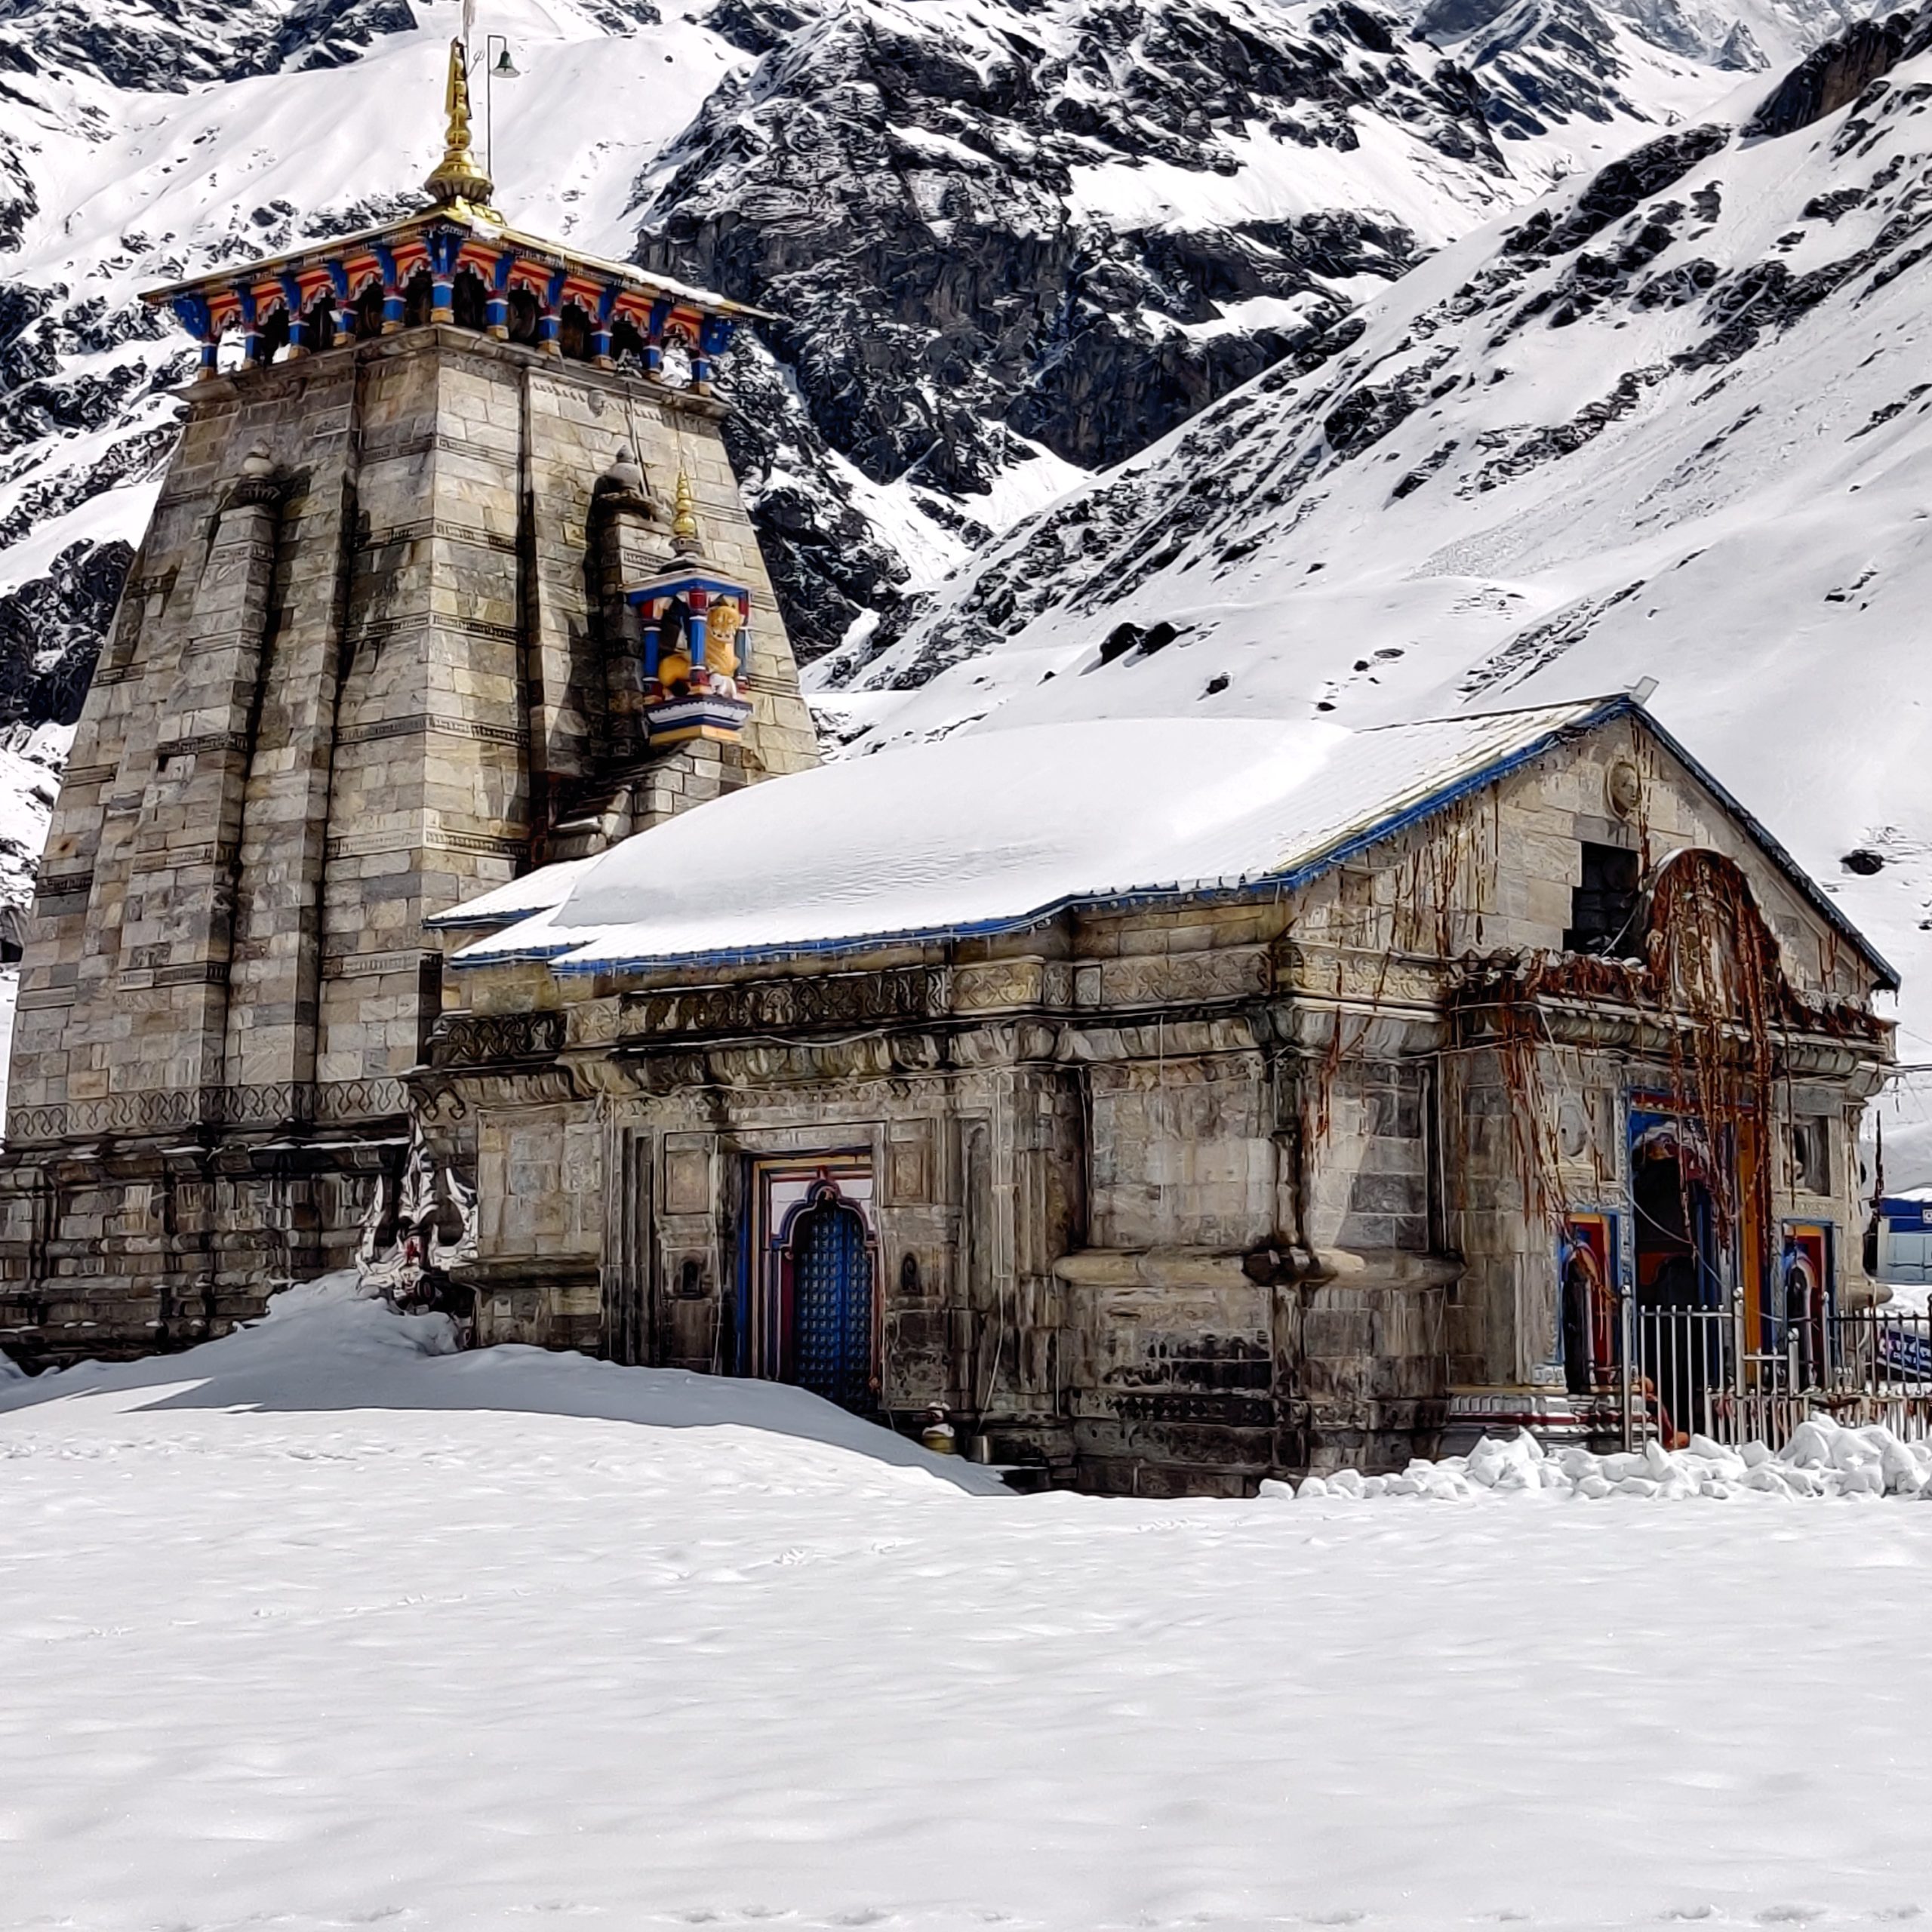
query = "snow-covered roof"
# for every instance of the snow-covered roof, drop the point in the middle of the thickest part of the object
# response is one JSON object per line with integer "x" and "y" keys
{"x": 996, "y": 830}
{"x": 535, "y": 892}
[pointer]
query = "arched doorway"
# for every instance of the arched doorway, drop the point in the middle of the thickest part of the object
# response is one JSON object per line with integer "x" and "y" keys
{"x": 1588, "y": 1315}
{"x": 830, "y": 1305}
{"x": 1681, "y": 1314}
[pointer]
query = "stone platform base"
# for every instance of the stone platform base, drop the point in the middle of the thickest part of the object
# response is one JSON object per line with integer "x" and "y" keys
{"x": 1557, "y": 1420}
{"x": 113, "y": 1250}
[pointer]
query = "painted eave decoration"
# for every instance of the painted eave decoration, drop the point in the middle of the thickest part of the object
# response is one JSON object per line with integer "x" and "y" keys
{"x": 481, "y": 239}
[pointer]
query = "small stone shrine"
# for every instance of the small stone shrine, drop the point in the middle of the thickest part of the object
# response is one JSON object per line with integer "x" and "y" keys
{"x": 449, "y": 577}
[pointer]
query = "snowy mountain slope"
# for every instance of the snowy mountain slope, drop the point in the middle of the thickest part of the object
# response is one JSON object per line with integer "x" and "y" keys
{"x": 1676, "y": 423}
{"x": 1004, "y": 230}
{"x": 1007, "y": 238}
{"x": 1738, "y": 36}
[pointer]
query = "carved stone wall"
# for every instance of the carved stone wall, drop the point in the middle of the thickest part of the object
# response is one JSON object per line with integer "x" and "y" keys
{"x": 1169, "y": 1197}
{"x": 359, "y": 672}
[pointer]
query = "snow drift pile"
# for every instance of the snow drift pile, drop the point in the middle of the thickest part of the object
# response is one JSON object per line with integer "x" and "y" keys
{"x": 1822, "y": 1458}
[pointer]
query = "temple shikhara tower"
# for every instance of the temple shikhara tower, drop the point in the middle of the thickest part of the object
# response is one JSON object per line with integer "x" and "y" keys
{"x": 450, "y": 578}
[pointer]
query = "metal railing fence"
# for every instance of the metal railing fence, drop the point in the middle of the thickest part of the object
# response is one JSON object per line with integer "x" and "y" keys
{"x": 1688, "y": 1372}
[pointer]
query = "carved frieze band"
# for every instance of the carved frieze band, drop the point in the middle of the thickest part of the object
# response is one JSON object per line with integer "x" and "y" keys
{"x": 474, "y": 1038}
{"x": 374, "y": 965}
{"x": 427, "y": 838}
{"x": 155, "y": 853}
{"x": 337, "y": 1102}
{"x": 66, "y": 885}
{"x": 90, "y": 774}
{"x": 437, "y": 529}
{"x": 208, "y": 741}
{"x": 772, "y": 1006}
{"x": 232, "y": 637}
{"x": 386, "y": 629}
{"x": 443, "y": 443}
{"x": 423, "y": 721}
{"x": 189, "y": 973}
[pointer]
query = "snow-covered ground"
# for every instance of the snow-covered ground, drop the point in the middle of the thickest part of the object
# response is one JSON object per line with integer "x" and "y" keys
{"x": 312, "y": 1628}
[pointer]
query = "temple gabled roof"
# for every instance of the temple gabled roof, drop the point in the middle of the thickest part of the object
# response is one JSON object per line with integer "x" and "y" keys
{"x": 996, "y": 831}
{"x": 481, "y": 239}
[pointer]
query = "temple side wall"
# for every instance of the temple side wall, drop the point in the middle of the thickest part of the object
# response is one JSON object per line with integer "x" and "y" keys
{"x": 1207, "y": 1192}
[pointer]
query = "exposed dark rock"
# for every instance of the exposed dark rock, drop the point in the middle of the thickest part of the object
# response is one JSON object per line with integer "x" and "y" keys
{"x": 827, "y": 567}
{"x": 50, "y": 633}
{"x": 173, "y": 47}
{"x": 623, "y": 17}
{"x": 1863, "y": 861}
{"x": 1624, "y": 185}
{"x": 1834, "y": 75}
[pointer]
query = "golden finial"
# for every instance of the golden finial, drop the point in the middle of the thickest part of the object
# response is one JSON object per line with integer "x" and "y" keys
{"x": 684, "y": 517}
{"x": 457, "y": 178}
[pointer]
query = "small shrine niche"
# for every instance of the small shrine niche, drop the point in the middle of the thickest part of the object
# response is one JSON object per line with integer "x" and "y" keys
{"x": 696, "y": 643}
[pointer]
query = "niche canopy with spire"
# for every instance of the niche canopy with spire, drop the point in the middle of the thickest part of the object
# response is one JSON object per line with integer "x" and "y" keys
{"x": 457, "y": 263}
{"x": 697, "y": 636}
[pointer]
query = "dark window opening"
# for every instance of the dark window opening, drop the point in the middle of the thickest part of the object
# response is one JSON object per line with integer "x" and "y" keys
{"x": 274, "y": 334}
{"x": 469, "y": 300}
{"x": 1603, "y": 907}
{"x": 369, "y": 310}
{"x": 627, "y": 345}
{"x": 1811, "y": 1154}
{"x": 574, "y": 334}
{"x": 525, "y": 316}
{"x": 419, "y": 297}
{"x": 10, "y": 951}
{"x": 320, "y": 319}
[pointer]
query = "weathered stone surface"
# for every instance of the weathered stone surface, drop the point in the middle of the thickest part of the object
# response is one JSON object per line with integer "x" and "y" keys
{"x": 1160, "y": 1201}
{"x": 360, "y": 671}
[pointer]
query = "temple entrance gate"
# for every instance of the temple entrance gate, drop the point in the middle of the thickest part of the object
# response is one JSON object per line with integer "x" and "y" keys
{"x": 832, "y": 1302}
{"x": 809, "y": 1301}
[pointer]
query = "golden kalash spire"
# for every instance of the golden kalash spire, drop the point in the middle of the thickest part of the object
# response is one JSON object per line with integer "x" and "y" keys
{"x": 457, "y": 178}
{"x": 683, "y": 518}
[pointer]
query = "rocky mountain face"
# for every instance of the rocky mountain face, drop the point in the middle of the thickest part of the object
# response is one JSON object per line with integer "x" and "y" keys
{"x": 1673, "y": 421}
{"x": 1060, "y": 228}
{"x": 178, "y": 43}
{"x": 1011, "y": 244}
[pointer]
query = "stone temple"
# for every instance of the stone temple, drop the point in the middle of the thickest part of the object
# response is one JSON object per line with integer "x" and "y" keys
{"x": 1170, "y": 1103}
{"x": 1178, "y": 1102}
{"x": 376, "y": 656}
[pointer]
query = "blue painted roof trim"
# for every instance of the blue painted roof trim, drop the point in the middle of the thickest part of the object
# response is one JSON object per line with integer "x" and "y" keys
{"x": 1623, "y": 704}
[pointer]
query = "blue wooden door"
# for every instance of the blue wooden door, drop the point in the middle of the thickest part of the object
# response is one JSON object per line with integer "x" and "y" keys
{"x": 832, "y": 1305}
